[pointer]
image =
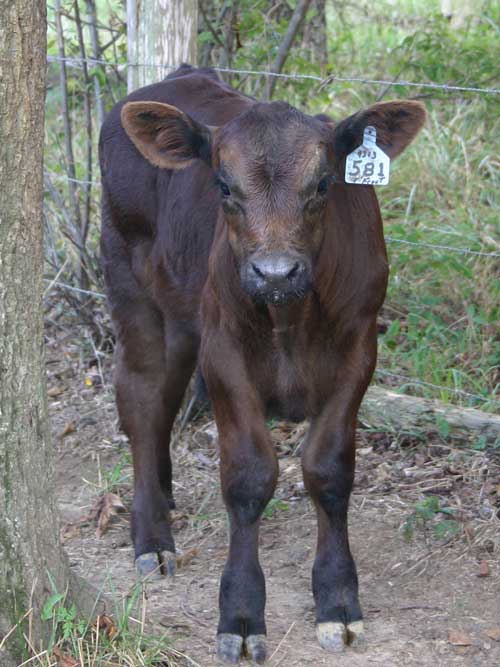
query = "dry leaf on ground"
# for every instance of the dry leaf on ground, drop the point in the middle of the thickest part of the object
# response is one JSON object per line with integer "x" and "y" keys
{"x": 64, "y": 660}
{"x": 458, "y": 638}
{"x": 106, "y": 507}
{"x": 493, "y": 633}
{"x": 106, "y": 625}
{"x": 68, "y": 429}
{"x": 186, "y": 557}
{"x": 70, "y": 531}
{"x": 484, "y": 569}
{"x": 55, "y": 391}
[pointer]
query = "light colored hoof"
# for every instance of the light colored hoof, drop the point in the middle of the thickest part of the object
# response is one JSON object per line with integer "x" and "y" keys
{"x": 256, "y": 648}
{"x": 147, "y": 566}
{"x": 356, "y": 633}
{"x": 332, "y": 636}
{"x": 168, "y": 563}
{"x": 229, "y": 648}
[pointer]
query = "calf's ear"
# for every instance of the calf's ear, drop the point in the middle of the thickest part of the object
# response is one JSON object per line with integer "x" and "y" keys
{"x": 397, "y": 124}
{"x": 166, "y": 136}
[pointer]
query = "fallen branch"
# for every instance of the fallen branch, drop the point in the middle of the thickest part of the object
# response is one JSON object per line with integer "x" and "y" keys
{"x": 382, "y": 408}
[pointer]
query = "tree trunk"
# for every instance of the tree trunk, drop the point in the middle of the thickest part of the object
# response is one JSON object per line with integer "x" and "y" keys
{"x": 315, "y": 37}
{"x": 161, "y": 35}
{"x": 383, "y": 409}
{"x": 293, "y": 27}
{"x": 30, "y": 553}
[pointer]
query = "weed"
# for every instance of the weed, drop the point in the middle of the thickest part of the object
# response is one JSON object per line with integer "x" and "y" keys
{"x": 427, "y": 517}
{"x": 120, "y": 474}
{"x": 274, "y": 507}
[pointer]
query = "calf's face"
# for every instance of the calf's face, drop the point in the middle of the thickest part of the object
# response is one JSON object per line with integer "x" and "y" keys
{"x": 274, "y": 174}
{"x": 274, "y": 167}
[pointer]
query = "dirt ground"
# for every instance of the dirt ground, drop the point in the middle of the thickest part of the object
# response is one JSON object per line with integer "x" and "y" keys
{"x": 430, "y": 596}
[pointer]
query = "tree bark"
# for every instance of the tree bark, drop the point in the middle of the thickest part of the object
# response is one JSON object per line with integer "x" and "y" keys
{"x": 30, "y": 553}
{"x": 382, "y": 408}
{"x": 161, "y": 35}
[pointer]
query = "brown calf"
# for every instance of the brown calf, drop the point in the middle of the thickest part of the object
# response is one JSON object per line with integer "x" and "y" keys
{"x": 231, "y": 240}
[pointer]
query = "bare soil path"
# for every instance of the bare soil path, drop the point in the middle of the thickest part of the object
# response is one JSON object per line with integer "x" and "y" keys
{"x": 423, "y": 597}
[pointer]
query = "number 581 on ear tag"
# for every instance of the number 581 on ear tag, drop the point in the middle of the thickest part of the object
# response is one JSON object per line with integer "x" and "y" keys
{"x": 368, "y": 164}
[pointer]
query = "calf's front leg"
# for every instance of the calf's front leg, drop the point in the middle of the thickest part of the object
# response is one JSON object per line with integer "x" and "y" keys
{"x": 328, "y": 465}
{"x": 249, "y": 470}
{"x": 328, "y": 462}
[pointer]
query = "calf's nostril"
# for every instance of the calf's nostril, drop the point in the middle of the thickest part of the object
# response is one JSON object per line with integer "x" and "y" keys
{"x": 258, "y": 271}
{"x": 293, "y": 271}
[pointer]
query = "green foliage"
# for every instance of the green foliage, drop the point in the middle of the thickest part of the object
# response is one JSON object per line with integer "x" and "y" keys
{"x": 427, "y": 516}
{"x": 119, "y": 642}
{"x": 274, "y": 507}
{"x": 119, "y": 474}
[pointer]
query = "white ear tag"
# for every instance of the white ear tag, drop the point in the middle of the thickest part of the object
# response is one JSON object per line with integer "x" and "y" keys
{"x": 368, "y": 164}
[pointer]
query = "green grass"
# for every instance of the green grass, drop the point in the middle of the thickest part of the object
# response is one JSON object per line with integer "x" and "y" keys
{"x": 116, "y": 639}
{"x": 444, "y": 306}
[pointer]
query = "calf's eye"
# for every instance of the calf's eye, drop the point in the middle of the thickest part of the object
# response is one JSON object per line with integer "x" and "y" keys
{"x": 323, "y": 185}
{"x": 224, "y": 188}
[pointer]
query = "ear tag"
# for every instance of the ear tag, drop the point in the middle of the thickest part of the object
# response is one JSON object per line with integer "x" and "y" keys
{"x": 368, "y": 164}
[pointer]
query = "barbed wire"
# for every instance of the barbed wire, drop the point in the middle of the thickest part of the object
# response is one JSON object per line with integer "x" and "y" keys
{"x": 423, "y": 383}
{"x": 323, "y": 81}
{"x": 438, "y": 246}
{"x": 389, "y": 239}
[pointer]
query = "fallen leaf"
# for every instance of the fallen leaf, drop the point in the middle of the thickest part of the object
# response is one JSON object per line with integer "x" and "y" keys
{"x": 107, "y": 506}
{"x": 64, "y": 660}
{"x": 69, "y": 531}
{"x": 106, "y": 625}
{"x": 69, "y": 428}
{"x": 186, "y": 557}
{"x": 458, "y": 638}
{"x": 88, "y": 382}
{"x": 493, "y": 633}
{"x": 484, "y": 569}
{"x": 469, "y": 531}
{"x": 55, "y": 391}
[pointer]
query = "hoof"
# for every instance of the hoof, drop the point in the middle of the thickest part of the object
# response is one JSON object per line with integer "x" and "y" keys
{"x": 168, "y": 563}
{"x": 229, "y": 648}
{"x": 147, "y": 566}
{"x": 256, "y": 648}
{"x": 153, "y": 565}
{"x": 356, "y": 633}
{"x": 332, "y": 636}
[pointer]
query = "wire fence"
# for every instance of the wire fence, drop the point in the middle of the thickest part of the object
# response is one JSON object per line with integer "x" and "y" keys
{"x": 78, "y": 62}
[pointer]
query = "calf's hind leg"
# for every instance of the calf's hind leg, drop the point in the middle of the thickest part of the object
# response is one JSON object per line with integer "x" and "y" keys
{"x": 152, "y": 373}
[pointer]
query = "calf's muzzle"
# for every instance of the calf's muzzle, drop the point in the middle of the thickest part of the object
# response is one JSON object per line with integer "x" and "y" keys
{"x": 276, "y": 279}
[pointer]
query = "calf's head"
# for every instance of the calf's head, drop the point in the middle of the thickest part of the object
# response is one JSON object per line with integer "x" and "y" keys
{"x": 274, "y": 167}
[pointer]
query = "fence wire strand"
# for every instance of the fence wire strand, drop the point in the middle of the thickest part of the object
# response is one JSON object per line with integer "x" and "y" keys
{"x": 417, "y": 382}
{"x": 389, "y": 239}
{"x": 437, "y": 246}
{"x": 323, "y": 81}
